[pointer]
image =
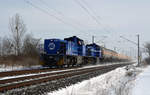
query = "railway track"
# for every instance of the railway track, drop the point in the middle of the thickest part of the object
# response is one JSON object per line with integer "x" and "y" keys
{"x": 13, "y": 83}
{"x": 31, "y": 71}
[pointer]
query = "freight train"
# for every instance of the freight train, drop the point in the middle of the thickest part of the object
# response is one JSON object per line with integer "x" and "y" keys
{"x": 73, "y": 52}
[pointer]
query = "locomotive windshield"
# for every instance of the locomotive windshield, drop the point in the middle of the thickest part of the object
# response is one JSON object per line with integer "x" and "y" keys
{"x": 75, "y": 40}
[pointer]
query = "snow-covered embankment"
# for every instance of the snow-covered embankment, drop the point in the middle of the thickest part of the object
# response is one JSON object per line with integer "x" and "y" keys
{"x": 116, "y": 82}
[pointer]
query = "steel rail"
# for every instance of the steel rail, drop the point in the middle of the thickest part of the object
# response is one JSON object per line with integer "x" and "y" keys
{"x": 31, "y": 71}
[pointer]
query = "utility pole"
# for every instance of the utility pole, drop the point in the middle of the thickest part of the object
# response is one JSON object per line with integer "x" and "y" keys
{"x": 93, "y": 39}
{"x": 138, "y": 46}
{"x": 138, "y": 49}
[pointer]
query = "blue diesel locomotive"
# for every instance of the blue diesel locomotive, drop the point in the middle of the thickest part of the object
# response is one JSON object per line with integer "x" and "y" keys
{"x": 71, "y": 52}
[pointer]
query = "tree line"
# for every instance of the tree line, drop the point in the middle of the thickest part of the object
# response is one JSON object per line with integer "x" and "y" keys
{"x": 18, "y": 43}
{"x": 147, "y": 46}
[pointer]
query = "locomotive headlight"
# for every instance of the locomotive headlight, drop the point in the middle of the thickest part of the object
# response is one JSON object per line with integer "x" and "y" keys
{"x": 51, "y": 46}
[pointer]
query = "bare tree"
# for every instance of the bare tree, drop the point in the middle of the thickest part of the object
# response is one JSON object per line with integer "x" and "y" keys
{"x": 0, "y": 46}
{"x": 7, "y": 48}
{"x": 147, "y": 59}
{"x": 30, "y": 46}
{"x": 18, "y": 29}
{"x": 148, "y": 48}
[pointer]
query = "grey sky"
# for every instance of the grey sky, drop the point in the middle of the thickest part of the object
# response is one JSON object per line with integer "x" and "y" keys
{"x": 119, "y": 17}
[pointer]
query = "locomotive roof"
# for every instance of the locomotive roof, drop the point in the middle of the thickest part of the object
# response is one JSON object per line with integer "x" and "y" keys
{"x": 93, "y": 44}
{"x": 70, "y": 38}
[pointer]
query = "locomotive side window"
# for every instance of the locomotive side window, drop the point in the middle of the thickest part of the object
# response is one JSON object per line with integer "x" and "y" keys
{"x": 80, "y": 42}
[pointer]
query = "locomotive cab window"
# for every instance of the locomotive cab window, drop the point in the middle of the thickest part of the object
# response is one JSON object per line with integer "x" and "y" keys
{"x": 80, "y": 42}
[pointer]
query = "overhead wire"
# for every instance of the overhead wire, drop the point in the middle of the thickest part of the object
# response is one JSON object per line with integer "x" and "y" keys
{"x": 84, "y": 5}
{"x": 48, "y": 13}
{"x": 88, "y": 6}
{"x": 48, "y": 7}
{"x": 61, "y": 14}
{"x": 90, "y": 12}
{"x": 95, "y": 15}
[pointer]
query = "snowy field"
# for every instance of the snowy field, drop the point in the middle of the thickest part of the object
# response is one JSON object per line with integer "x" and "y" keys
{"x": 116, "y": 82}
{"x": 142, "y": 83}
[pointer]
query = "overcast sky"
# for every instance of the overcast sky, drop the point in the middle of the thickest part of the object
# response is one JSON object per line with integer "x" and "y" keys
{"x": 117, "y": 17}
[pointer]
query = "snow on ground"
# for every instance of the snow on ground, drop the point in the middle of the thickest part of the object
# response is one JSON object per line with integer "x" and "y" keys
{"x": 9, "y": 68}
{"x": 142, "y": 83}
{"x": 115, "y": 82}
{"x": 4, "y": 68}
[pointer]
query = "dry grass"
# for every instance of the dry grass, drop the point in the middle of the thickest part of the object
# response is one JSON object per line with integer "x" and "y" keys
{"x": 19, "y": 61}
